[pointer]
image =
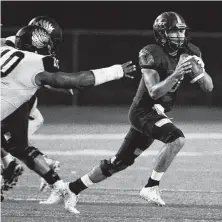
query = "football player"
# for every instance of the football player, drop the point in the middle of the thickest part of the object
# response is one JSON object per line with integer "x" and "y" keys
{"x": 25, "y": 69}
{"x": 12, "y": 169}
{"x": 162, "y": 73}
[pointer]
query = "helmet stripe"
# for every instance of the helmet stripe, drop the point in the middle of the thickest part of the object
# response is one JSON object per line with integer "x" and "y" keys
{"x": 177, "y": 17}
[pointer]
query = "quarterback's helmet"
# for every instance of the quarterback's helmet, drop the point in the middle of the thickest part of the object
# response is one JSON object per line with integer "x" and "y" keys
{"x": 34, "y": 39}
{"x": 166, "y": 22}
{"x": 52, "y": 27}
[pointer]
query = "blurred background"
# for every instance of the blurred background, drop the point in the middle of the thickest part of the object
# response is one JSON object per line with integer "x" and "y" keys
{"x": 100, "y": 34}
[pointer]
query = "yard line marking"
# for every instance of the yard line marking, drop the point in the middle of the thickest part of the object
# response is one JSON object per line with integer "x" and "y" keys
{"x": 115, "y": 136}
{"x": 103, "y": 189}
{"x": 99, "y": 152}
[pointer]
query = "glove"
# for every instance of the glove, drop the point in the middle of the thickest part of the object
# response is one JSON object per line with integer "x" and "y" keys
{"x": 199, "y": 61}
{"x": 197, "y": 69}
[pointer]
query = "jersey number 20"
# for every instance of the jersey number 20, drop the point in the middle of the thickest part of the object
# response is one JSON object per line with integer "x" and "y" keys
{"x": 11, "y": 62}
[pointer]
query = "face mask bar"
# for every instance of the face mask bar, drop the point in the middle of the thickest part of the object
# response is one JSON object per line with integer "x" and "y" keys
{"x": 176, "y": 42}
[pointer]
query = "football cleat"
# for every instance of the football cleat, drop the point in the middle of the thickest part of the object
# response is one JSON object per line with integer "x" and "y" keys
{"x": 53, "y": 198}
{"x": 54, "y": 165}
{"x": 152, "y": 194}
{"x": 10, "y": 174}
{"x": 70, "y": 200}
{"x": 62, "y": 192}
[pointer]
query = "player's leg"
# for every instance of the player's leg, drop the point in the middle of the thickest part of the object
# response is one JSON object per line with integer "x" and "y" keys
{"x": 11, "y": 169}
{"x": 133, "y": 145}
{"x": 34, "y": 159}
{"x": 35, "y": 122}
{"x": 173, "y": 139}
{"x": 6, "y": 157}
{"x": 2, "y": 195}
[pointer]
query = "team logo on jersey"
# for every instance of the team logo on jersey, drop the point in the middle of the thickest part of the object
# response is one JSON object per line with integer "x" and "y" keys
{"x": 39, "y": 38}
{"x": 46, "y": 25}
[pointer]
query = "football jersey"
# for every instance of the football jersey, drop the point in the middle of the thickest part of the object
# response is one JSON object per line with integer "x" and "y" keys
{"x": 18, "y": 71}
{"x": 154, "y": 57}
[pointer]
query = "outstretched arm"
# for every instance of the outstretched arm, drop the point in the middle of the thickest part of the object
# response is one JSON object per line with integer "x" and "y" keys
{"x": 84, "y": 79}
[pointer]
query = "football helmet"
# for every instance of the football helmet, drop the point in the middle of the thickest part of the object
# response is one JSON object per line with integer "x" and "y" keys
{"x": 52, "y": 27}
{"x": 34, "y": 39}
{"x": 170, "y": 22}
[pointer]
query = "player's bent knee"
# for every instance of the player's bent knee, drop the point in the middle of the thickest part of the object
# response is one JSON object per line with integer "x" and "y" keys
{"x": 179, "y": 142}
{"x": 177, "y": 145}
{"x": 176, "y": 136}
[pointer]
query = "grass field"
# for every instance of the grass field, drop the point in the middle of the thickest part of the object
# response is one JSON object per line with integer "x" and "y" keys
{"x": 192, "y": 187}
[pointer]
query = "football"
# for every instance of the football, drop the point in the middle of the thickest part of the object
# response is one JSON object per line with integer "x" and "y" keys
{"x": 197, "y": 70}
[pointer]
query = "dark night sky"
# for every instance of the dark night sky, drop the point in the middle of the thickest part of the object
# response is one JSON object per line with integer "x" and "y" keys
{"x": 201, "y": 16}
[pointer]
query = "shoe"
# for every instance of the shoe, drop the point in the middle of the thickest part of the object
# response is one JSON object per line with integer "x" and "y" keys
{"x": 54, "y": 165}
{"x": 11, "y": 173}
{"x": 152, "y": 194}
{"x": 60, "y": 191}
{"x": 53, "y": 198}
{"x": 69, "y": 198}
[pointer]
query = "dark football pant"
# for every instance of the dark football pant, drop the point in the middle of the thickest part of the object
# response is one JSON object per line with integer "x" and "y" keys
{"x": 146, "y": 126}
{"x": 14, "y": 129}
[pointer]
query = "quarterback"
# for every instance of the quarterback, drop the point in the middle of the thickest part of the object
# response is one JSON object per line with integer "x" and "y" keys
{"x": 163, "y": 65}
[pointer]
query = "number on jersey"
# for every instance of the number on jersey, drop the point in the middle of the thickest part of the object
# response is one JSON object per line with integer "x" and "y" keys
{"x": 11, "y": 60}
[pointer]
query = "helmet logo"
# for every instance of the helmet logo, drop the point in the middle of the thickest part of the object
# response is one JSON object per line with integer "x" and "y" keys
{"x": 39, "y": 38}
{"x": 46, "y": 25}
{"x": 161, "y": 23}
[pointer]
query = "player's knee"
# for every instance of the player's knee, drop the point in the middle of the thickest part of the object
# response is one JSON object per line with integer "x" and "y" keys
{"x": 177, "y": 145}
{"x": 113, "y": 165}
{"x": 179, "y": 142}
{"x": 176, "y": 136}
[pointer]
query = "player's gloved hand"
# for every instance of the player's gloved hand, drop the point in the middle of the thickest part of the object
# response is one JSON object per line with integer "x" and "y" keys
{"x": 128, "y": 68}
{"x": 199, "y": 61}
{"x": 183, "y": 67}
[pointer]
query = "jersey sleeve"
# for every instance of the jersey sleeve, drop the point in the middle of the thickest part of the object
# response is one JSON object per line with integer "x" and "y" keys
{"x": 146, "y": 59}
{"x": 150, "y": 57}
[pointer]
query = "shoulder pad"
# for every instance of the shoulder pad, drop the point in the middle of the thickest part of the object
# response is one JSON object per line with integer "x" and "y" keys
{"x": 194, "y": 50}
{"x": 149, "y": 55}
{"x": 50, "y": 64}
